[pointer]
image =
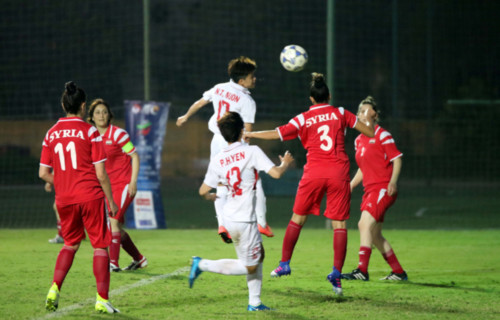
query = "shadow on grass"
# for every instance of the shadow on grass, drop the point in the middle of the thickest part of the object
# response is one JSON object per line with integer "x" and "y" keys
{"x": 451, "y": 285}
{"x": 310, "y": 295}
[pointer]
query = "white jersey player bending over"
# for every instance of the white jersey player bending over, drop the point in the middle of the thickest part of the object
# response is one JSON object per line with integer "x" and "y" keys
{"x": 237, "y": 165}
{"x": 232, "y": 96}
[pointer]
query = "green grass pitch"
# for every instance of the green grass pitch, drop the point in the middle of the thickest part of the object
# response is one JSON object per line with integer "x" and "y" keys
{"x": 453, "y": 275}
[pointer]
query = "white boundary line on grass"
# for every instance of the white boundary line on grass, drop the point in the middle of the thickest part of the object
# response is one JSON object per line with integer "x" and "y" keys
{"x": 115, "y": 292}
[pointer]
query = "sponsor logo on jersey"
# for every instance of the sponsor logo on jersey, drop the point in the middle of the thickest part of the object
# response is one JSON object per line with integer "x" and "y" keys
{"x": 372, "y": 141}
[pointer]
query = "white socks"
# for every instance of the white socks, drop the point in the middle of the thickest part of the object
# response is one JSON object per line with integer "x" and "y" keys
{"x": 254, "y": 282}
{"x": 219, "y": 203}
{"x": 260, "y": 204}
{"x": 234, "y": 267}
{"x": 229, "y": 267}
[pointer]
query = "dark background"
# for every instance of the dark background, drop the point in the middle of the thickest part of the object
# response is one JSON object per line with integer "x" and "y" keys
{"x": 433, "y": 67}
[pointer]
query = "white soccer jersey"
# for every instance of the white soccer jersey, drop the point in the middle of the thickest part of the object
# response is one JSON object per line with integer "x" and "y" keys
{"x": 230, "y": 96}
{"x": 237, "y": 166}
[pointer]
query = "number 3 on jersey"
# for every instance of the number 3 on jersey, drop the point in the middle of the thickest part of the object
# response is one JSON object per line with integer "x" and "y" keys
{"x": 327, "y": 141}
{"x": 233, "y": 177}
{"x": 72, "y": 153}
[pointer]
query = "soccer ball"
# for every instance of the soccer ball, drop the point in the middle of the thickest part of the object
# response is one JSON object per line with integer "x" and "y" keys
{"x": 293, "y": 58}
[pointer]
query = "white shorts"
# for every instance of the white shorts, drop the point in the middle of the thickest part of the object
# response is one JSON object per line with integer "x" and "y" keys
{"x": 247, "y": 241}
{"x": 218, "y": 143}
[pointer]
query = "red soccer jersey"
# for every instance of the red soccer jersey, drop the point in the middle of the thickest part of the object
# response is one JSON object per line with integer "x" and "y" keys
{"x": 321, "y": 130}
{"x": 374, "y": 157}
{"x": 71, "y": 148}
{"x": 118, "y": 147}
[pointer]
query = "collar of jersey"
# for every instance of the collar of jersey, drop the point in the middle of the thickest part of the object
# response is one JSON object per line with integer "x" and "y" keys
{"x": 71, "y": 119}
{"x": 232, "y": 146}
{"x": 320, "y": 105}
{"x": 108, "y": 131}
{"x": 238, "y": 87}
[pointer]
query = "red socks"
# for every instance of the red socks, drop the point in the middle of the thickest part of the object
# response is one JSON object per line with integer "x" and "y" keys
{"x": 114, "y": 248}
{"x": 100, "y": 266}
{"x": 129, "y": 246}
{"x": 391, "y": 259}
{"x": 364, "y": 258}
{"x": 63, "y": 264}
{"x": 290, "y": 240}
{"x": 339, "y": 248}
{"x": 101, "y": 272}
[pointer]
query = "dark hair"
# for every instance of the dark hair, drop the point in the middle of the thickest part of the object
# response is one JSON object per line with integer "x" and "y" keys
{"x": 72, "y": 98}
{"x": 94, "y": 104}
{"x": 319, "y": 89}
{"x": 230, "y": 126}
{"x": 240, "y": 68}
{"x": 371, "y": 101}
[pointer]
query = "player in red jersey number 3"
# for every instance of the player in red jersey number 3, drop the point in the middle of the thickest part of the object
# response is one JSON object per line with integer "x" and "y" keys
{"x": 73, "y": 149}
{"x": 321, "y": 130}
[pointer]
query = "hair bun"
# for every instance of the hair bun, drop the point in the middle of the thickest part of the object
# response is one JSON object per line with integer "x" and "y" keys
{"x": 318, "y": 79}
{"x": 70, "y": 87}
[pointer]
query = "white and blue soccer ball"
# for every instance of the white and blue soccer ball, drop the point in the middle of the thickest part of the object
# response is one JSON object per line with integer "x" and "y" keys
{"x": 293, "y": 57}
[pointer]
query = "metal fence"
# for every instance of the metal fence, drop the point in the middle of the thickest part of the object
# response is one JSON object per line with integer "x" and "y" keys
{"x": 432, "y": 66}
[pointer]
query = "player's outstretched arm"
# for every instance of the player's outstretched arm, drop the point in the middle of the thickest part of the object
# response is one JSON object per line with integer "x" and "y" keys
{"x": 356, "y": 180}
{"x": 192, "y": 110}
{"x": 367, "y": 130}
{"x": 205, "y": 192}
{"x": 277, "y": 171}
{"x": 264, "y": 135}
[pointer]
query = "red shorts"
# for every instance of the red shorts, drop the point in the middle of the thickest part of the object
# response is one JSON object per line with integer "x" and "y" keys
{"x": 122, "y": 199}
{"x": 90, "y": 216}
{"x": 377, "y": 202}
{"x": 311, "y": 192}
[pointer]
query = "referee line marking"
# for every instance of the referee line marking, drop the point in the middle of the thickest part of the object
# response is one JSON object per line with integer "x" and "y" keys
{"x": 115, "y": 292}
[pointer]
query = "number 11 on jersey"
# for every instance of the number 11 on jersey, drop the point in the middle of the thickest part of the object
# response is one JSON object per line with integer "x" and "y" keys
{"x": 59, "y": 149}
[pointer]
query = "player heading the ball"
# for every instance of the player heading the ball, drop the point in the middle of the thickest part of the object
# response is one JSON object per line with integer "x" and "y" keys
{"x": 232, "y": 96}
